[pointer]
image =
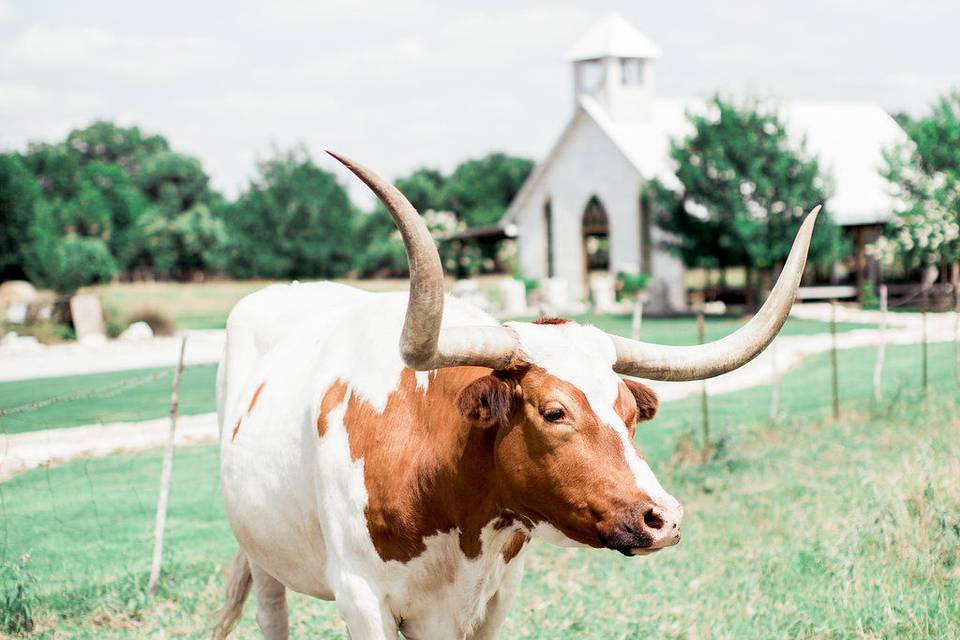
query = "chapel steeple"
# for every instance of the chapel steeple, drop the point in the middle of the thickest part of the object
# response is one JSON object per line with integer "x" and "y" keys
{"x": 613, "y": 63}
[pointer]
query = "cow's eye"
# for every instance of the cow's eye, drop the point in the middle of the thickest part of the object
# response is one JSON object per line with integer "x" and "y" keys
{"x": 554, "y": 414}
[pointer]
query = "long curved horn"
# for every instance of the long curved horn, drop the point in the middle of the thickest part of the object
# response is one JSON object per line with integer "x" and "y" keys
{"x": 423, "y": 345}
{"x": 659, "y": 362}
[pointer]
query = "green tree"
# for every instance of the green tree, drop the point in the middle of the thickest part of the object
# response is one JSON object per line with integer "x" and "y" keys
{"x": 180, "y": 233}
{"x": 479, "y": 191}
{"x": 152, "y": 206}
{"x": 105, "y": 142}
{"x": 925, "y": 175}
{"x": 62, "y": 259}
{"x": 382, "y": 251}
{"x": 743, "y": 189}
{"x": 19, "y": 193}
{"x": 84, "y": 226}
{"x": 294, "y": 221}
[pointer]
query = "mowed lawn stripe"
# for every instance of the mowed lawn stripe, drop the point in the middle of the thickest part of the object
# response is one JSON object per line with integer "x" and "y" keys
{"x": 104, "y": 398}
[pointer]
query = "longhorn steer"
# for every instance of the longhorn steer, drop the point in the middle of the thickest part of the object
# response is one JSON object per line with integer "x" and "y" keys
{"x": 406, "y": 483}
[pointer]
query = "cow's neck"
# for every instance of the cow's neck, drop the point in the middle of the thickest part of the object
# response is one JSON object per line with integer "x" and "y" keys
{"x": 427, "y": 471}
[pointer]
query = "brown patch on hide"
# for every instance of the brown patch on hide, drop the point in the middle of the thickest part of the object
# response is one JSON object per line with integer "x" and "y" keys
{"x": 551, "y": 320}
{"x": 331, "y": 399}
{"x": 514, "y": 545}
{"x": 427, "y": 467}
{"x": 256, "y": 394}
{"x": 253, "y": 402}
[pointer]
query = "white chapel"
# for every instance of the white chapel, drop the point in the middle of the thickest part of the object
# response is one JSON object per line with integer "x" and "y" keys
{"x": 582, "y": 207}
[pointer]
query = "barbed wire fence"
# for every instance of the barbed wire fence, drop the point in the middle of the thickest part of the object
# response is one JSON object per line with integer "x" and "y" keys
{"x": 116, "y": 530}
{"x": 906, "y": 353}
{"x": 75, "y": 534}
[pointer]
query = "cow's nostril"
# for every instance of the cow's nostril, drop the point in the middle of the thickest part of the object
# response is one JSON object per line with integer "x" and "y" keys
{"x": 652, "y": 519}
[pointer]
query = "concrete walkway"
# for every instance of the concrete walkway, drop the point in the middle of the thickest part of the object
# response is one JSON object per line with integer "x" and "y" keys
{"x": 22, "y": 452}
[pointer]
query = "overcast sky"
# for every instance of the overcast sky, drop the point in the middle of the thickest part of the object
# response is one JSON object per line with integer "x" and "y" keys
{"x": 406, "y": 83}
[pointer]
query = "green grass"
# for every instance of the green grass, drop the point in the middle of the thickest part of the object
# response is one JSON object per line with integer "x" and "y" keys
{"x": 151, "y": 400}
{"x": 804, "y": 529}
{"x": 190, "y": 305}
{"x": 105, "y": 397}
{"x": 205, "y": 305}
{"x": 683, "y": 330}
{"x": 196, "y": 305}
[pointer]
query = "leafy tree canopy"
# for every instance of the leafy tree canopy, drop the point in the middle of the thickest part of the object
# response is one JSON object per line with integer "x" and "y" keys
{"x": 479, "y": 191}
{"x": 151, "y": 207}
{"x": 19, "y": 192}
{"x": 106, "y": 142}
{"x": 293, "y": 221}
{"x": 743, "y": 188}
{"x": 925, "y": 175}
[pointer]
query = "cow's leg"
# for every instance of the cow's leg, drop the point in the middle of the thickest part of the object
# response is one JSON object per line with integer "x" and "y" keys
{"x": 271, "y": 605}
{"x": 500, "y": 603}
{"x": 364, "y": 611}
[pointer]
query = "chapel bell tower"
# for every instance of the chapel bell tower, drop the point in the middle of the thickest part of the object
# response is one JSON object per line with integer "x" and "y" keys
{"x": 613, "y": 63}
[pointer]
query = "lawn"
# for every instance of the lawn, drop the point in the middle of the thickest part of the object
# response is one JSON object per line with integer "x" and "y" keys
{"x": 206, "y": 305}
{"x": 105, "y": 397}
{"x": 195, "y": 305}
{"x": 808, "y": 528}
{"x": 139, "y": 394}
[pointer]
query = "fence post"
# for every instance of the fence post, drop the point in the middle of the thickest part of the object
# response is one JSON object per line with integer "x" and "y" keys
{"x": 956, "y": 329}
{"x": 833, "y": 359}
{"x": 637, "y": 318}
{"x": 774, "y": 383}
{"x": 704, "y": 407}
{"x": 165, "y": 476}
{"x": 882, "y": 348}
{"x": 923, "y": 351}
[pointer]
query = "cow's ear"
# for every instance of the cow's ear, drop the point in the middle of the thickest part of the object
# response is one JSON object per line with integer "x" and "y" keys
{"x": 486, "y": 402}
{"x": 647, "y": 401}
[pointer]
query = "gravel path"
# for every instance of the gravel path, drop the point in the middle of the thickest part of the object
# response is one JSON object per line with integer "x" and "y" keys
{"x": 21, "y": 452}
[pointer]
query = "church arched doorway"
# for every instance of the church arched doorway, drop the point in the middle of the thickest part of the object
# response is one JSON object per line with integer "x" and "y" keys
{"x": 596, "y": 239}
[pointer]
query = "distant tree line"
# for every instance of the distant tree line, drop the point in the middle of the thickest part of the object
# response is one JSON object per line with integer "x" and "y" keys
{"x": 112, "y": 202}
{"x": 116, "y": 202}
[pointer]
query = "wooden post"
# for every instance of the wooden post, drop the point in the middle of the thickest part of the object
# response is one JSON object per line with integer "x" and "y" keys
{"x": 833, "y": 359}
{"x": 924, "y": 381}
{"x": 774, "y": 384}
{"x": 882, "y": 348}
{"x": 704, "y": 407}
{"x": 637, "y": 319}
{"x": 165, "y": 476}
{"x": 956, "y": 329}
{"x": 860, "y": 259}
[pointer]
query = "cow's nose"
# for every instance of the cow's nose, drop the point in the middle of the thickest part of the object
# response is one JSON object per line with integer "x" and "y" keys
{"x": 646, "y": 527}
{"x": 661, "y": 524}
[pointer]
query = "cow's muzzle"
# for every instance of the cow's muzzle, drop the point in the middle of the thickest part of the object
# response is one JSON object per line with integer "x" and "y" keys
{"x": 644, "y": 528}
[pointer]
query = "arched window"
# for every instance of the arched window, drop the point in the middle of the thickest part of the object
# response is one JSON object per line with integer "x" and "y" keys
{"x": 596, "y": 243}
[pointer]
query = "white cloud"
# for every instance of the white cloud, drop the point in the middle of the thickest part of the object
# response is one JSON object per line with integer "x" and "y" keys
{"x": 329, "y": 12}
{"x": 100, "y": 51}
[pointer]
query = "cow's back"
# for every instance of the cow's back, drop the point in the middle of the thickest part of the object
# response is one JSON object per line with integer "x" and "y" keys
{"x": 263, "y": 319}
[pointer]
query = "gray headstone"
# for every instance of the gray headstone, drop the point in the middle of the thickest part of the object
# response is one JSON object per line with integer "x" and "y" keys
{"x": 87, "y": 313}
